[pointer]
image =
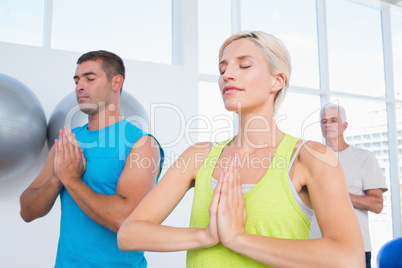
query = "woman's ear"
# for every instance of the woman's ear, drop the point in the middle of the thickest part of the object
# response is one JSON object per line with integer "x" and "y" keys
{"x": 117, "y": 82}
{"x": 279, "y": 82}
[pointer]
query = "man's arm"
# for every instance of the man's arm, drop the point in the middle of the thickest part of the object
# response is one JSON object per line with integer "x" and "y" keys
{"x": 372, "y": 201}
{"x": 38, "y": 199}
{"x": 134, "y": 182}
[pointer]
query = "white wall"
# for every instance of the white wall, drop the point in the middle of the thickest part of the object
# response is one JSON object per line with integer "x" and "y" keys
{"x": 48, "y": 73}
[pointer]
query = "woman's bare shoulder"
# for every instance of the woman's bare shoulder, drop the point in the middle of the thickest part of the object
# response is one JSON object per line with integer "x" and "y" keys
{"x": 199, "y": 148}
{"x": 315, "y": 153}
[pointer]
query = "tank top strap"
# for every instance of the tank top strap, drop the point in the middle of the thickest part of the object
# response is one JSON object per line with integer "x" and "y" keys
{"x": 284, "y": 151}
{"x": 213, "y": 156}
{"x": 296, "y": 153}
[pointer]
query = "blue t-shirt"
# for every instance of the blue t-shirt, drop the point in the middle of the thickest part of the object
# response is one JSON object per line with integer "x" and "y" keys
{"x": 84, "y": 242}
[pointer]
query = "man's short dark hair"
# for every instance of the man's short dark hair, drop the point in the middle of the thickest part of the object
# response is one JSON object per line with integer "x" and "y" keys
{"x": 112, "y": 64}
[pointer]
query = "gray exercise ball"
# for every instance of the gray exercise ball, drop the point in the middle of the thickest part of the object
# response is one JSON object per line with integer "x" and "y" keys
{"x": 67, "y": 113}
{"x": 22, "y": 127}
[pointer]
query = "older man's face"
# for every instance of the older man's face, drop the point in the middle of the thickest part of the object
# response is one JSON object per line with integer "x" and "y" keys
{"x": 331, "y": 124}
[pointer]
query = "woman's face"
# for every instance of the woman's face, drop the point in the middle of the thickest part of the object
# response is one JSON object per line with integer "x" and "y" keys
{"x": 245, "y": 81}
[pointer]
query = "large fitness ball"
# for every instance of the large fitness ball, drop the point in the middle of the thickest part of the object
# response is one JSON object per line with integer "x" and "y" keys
{"x": 22, "y": 127}
{"x": 390, "y": 255}
{"x": 67, "y": 113}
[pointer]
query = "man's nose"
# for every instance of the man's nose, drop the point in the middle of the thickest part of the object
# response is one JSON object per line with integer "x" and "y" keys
{"x": 79, "y": 86}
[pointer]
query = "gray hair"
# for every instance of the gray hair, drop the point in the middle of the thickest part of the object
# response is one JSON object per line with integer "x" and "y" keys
{"x": 341, "y": 110}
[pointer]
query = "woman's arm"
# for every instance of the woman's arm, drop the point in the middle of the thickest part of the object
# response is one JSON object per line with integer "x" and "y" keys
{"x": 341, "y": 244}
{"x": 142, "y": 230}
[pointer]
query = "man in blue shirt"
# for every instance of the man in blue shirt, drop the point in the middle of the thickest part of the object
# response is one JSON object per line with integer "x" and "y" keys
{"x": 97, "y": 171}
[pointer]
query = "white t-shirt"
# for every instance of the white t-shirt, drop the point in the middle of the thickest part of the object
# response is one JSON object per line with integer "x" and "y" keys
{"x": 362, "y": 173}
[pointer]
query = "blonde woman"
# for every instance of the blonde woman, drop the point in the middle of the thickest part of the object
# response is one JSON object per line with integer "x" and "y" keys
{"x": 254, "y": 194}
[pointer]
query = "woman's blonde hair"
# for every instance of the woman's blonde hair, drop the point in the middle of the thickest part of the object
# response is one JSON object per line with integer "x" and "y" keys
{"x": 275, "y": 53}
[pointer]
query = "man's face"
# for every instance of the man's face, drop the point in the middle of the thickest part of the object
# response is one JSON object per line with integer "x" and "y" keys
{"x": 92, "y": 86}
{"x": 331, "y": 124}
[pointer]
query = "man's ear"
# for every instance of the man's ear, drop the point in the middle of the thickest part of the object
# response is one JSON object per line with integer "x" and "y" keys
{"x": 279, "y": 82}
{"x": 117, "y": 82}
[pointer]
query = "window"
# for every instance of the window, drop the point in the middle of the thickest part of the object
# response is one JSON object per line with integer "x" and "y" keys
{"x": 22, "y": 22}
{"x": 295, "y": 23}
{"x": 118, "y": 27}
{"x": 396, "y": 25}
{"x": 214, "y": 26}
{"x": 299, "y": 115}
{"x": 399, "y": 137}
{"x": 355, "y": 66}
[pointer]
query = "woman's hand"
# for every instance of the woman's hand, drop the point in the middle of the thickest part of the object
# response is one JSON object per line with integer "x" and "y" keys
{"x": 212, "y": 229}
{"x": 231, "y": 213}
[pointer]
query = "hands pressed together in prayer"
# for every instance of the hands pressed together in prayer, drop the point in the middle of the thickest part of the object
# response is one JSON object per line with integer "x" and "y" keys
{"x": 227, "y": 214}
{"x": 69, "y": 160}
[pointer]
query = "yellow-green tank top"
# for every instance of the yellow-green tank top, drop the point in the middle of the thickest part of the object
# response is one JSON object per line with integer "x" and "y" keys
{"x": 271, "y": 209}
